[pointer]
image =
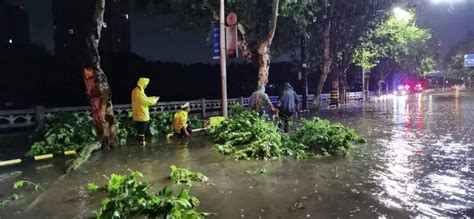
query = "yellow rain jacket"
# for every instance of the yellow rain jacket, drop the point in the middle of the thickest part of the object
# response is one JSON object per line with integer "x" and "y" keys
{"x": 180, "y": 120}
{"x": 140, "y": 102}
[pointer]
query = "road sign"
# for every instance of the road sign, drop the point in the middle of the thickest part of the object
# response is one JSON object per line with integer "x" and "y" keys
{"x": 469, "y": 61}
{"x": 215, "y": 45}
{"x": 231, "y": 19}
{"x": 231, "y": 41}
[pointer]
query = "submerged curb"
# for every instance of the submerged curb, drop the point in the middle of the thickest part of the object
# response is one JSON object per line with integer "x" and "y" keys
{"x": 36, "y": 158}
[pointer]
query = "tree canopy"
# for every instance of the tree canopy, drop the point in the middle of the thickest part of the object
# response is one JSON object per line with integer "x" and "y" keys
{"x": 455, "y": 59}
{"x": 400, "y": 39}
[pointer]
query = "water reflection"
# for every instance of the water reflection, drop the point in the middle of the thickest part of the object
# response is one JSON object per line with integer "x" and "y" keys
{"x": 419, "y": 161}
{"x": 425, "y": 170}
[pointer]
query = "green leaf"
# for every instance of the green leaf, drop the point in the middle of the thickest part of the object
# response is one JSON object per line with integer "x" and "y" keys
{"x": 19, "y": 184}
{"x": 92, "y": 187}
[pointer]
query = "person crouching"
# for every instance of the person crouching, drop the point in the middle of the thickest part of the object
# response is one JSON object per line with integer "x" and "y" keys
{"x": 181, "y": 124}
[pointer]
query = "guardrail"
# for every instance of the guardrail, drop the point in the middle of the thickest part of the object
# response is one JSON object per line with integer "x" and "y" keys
{"x": 35, "y": 117}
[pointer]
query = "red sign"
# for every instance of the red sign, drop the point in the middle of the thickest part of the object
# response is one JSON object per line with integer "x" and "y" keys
{"x": 231, "y": 19}
{"x": 231, "y": 40}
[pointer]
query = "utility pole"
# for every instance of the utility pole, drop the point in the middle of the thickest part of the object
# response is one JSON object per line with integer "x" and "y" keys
{"x": 223, "y": 60}
{"x": 363, "y": 84}
{"x": 304, "y": 73}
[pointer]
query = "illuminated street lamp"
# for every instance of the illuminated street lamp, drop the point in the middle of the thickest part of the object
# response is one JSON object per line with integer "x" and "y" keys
{"x": 447, "y": 1}
{"x": 401, "y": 14}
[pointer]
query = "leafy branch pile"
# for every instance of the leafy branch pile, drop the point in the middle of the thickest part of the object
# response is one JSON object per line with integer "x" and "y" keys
{"x": 162, "y": 124}
{"x": 126, "y": 128}
{"x": 66, "y": 131}
{"x": 69, "y": 131}
{"x": 247, "y": 135}
{"x": 128, "y": 196}
{"x": 181, "y": 175}
{"x": 321, "y": 137}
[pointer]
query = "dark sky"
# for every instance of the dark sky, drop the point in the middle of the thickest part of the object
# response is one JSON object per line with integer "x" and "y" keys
{"x": 148, "y": 37}
{"x": 150, "y": 40}
{"x": 449, "y": 23}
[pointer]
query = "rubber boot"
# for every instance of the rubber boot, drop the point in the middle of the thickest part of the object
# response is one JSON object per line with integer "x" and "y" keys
{"x": 141, "y": 140}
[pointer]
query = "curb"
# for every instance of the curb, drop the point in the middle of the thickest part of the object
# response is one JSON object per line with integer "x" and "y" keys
{"x": 35, "y": 158}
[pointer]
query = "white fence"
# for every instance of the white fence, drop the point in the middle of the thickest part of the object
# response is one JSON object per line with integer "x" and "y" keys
{"x": 32, "y": 117}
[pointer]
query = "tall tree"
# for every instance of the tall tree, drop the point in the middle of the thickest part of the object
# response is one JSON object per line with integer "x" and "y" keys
{"x": 257, "y": 23}
{"x": 454, "y": 61}
{"x": 97, "y": 88}
{"x": 344, "y": 23}
{"x": 400, "y": 44}
{"x": 354, "y": 20}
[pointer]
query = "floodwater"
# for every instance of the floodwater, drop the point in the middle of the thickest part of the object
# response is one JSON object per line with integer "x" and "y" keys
{"x": 418, "y": 161}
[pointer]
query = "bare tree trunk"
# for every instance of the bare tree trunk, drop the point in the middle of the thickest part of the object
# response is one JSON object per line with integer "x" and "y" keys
{"x": 263, "y": 50}
{"x": 327, "y": 59}
{"x": 470, "y": 82}
{"x": 97, "y": 87}
{"x": 335, "y": 88}
{"x": 263, "y": 59}
{"x": 343, "y": 86}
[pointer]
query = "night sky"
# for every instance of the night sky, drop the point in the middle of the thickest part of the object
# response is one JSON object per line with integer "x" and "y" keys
{"x": 150, "y": 39}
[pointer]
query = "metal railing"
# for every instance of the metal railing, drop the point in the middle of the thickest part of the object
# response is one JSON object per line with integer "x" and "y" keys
{"x": 35, "y": 117}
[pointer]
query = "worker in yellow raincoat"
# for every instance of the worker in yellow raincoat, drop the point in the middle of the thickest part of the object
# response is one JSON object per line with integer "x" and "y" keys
{"x": 181, "y": 126}
{"x": 140, "y": 104}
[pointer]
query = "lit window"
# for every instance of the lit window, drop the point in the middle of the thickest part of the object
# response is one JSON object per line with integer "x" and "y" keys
{"x": 126, "y": 16}
{"x": 70, "y": 31}
{"x": 10, "y": 41}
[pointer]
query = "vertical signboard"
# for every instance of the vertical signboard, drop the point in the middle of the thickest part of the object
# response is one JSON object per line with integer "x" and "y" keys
{"x": 231, "y": 35}
{"x": 215, "y": 40}
{"x": 231, "y": 41}
{"x": 469, "y": 61}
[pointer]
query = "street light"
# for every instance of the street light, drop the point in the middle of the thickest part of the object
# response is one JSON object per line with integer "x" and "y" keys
{"x": 447, "y": 1}
{"x": 401, "y": 14}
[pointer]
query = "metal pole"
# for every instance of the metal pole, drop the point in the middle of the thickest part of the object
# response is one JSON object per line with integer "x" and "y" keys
{"x": 223, "y": 60}
{"x": 304, "y": 74}
{"x": 363, "y": 84}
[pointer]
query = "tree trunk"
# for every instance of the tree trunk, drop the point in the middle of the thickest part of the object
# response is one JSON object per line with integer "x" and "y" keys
{"x": 379, "y": 90}
{"x": 327, "y": 56}
{"x": 335, "y": 89}
{"x": 263, "y": 60}
{"x": 470, "y": 82}
{"x": 97, "y": 88}
{"x": 263, "y": 50}
{"x": 343, "y": 86}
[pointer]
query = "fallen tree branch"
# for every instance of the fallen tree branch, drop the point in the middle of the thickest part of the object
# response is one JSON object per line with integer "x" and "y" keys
{"x": 84, "y": 156}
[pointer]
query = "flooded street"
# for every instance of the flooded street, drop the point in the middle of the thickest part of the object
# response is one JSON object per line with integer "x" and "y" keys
{"x": 418, "y": 161}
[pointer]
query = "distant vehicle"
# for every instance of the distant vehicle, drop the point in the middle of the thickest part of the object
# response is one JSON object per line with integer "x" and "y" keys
{"x": 409, "y": 88}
